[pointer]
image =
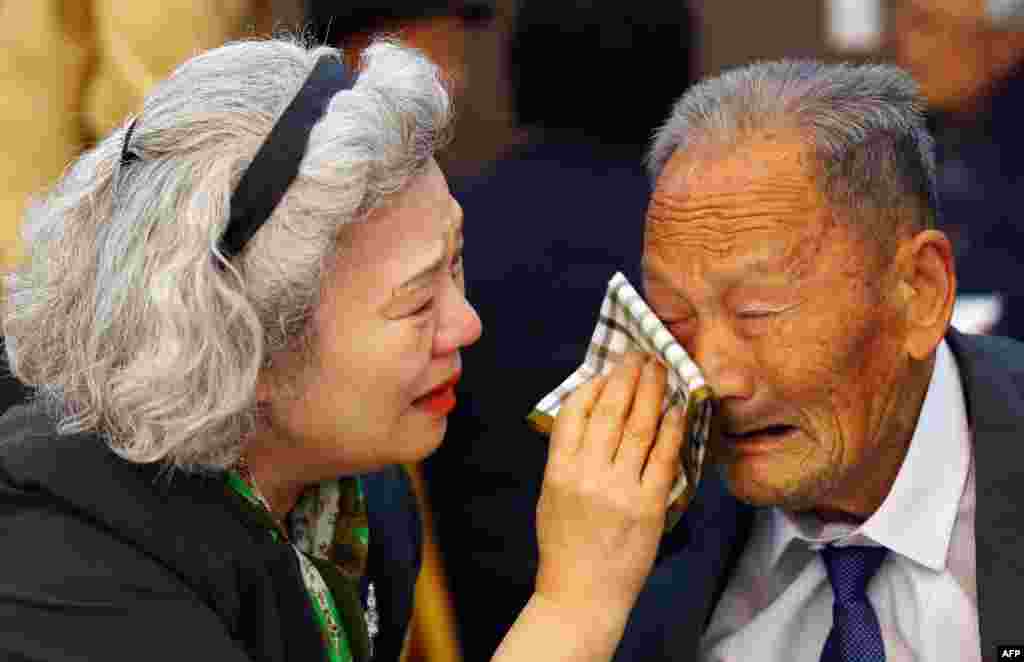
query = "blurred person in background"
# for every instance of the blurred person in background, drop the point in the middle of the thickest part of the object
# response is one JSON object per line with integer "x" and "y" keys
{"x": 460, "y": 35}
{"x": 74, "y": 69}
{"x": 556, "y": 216}
{"x": 241, "y": 311}
{"x": 971, "y": 71}
{"x": 439, "y": 28}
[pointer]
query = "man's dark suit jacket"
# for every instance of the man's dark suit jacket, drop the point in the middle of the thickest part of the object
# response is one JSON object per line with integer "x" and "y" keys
{"x": 104, "y": 559}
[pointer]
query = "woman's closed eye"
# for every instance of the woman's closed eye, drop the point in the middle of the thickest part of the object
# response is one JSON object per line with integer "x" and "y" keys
{"x": 424, "y": 308}
{"x": 456, "y": 271}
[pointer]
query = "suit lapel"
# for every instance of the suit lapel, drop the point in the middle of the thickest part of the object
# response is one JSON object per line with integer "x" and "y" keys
{"x": 698, "y": 558}
{"x": 996, "y": 414}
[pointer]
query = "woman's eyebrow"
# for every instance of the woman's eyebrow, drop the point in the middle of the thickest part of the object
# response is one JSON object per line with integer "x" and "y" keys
{"x": 430, "y": 271}
{"x": 426, "y": 273}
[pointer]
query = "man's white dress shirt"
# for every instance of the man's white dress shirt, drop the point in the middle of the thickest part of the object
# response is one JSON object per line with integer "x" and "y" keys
{"x": 778, "y": 605}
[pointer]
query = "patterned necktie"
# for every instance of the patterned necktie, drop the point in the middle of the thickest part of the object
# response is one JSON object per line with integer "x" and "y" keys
{"x": 855, "y": 635}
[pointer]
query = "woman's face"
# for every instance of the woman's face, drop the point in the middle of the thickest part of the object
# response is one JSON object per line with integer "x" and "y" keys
{"x": 388, "y": 331}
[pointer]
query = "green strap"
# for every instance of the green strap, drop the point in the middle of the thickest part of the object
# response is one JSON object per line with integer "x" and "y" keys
{"x": 348, "y": 608}
{"x": 242, "y": 489}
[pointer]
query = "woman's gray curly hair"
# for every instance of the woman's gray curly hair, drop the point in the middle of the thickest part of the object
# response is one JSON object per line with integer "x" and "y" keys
{"x": 124, "y": 315}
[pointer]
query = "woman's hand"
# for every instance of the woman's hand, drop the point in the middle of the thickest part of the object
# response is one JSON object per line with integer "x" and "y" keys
{"x": 600, "y": 516}
{"x": 602, "y": 508}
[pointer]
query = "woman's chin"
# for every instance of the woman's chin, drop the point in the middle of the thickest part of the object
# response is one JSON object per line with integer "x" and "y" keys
{"x": 421, "y": 439}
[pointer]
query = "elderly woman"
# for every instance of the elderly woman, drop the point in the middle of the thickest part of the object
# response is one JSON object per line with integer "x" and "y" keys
{"x": 240, "y": 313}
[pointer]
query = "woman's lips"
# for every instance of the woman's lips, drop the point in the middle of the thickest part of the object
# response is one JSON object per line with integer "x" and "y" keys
{"x": 441, "y": 400}
{"x": 438, "y": 402}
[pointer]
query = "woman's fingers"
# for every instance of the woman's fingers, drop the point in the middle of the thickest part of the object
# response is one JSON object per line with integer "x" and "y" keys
{"x": 613, "y": 420}
{"x": 641, "y": 427}
{"x": 571, "y": 422}
{"x": 602, "y": 508}
{"x": 609, "y": 414}
{"x": 663, "y": 462}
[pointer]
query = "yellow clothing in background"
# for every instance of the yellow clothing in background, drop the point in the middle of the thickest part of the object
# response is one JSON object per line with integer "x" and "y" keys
{"x": 72, "y": 70}
{"x": 432, "y": 635}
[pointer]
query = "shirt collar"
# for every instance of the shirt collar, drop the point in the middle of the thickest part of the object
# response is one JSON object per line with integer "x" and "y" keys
{"x": 916, "y": 519}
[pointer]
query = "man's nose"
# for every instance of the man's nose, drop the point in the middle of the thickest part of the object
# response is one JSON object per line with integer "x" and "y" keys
{"x": 724, "y": 361}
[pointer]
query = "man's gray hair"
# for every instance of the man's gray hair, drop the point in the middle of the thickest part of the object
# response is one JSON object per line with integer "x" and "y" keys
{"x": 864, "y": 124}
{"x": 123, "y": 315}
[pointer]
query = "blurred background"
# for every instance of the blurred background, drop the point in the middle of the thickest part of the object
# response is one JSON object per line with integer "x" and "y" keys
{"x": 73, "y": 69}
{"x": 555, "y": 101}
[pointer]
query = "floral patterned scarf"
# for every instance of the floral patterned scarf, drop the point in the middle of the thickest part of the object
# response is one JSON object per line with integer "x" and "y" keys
{"x": 328, "y": 531}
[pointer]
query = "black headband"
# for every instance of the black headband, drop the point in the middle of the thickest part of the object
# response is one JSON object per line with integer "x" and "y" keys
{"x": 276, "y": 163}
{"x": 128, "y": 156}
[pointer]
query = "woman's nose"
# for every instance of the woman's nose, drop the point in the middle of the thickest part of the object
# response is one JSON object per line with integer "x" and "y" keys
{"x": 460, "y": 326}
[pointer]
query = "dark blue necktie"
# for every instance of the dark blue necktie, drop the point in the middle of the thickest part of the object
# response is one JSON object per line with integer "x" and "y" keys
{"x": 855, "y": 634}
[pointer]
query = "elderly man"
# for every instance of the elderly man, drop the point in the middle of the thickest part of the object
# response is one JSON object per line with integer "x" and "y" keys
{"x": 790, "y": 247}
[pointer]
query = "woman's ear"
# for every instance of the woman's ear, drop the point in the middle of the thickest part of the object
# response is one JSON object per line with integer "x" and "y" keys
{"x": 927, "y": 288}
{"x": 264, "y": 388}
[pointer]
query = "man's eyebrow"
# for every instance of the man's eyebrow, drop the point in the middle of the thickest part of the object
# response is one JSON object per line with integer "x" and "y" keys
{"x": 763, "y": 268}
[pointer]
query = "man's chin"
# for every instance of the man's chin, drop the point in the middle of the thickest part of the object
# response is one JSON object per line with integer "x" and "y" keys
{"x": 762, "y": 492}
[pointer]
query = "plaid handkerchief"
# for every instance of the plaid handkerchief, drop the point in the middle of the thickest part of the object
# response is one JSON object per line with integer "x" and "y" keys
{"x": 626, "y": 323}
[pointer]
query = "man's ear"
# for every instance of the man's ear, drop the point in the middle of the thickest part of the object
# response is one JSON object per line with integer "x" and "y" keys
{"x": 927, "y": 290}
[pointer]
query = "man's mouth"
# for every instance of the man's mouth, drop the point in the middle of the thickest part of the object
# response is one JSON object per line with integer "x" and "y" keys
{"x": 767, "y": 431}
{"x": 761, "y": 439}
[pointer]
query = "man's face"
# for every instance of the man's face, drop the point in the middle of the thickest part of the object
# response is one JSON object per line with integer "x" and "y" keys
{"x": 782, "y": 307}
{"x": 945, "y": 45}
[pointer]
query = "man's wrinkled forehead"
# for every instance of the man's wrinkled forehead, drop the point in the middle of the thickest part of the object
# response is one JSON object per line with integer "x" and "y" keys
{"x": 750, "y": 186}
{"x": 757, "y": 202}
